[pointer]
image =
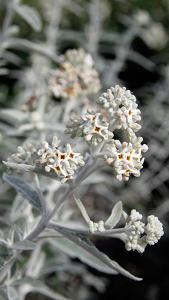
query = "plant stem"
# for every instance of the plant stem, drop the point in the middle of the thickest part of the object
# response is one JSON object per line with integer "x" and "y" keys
{"x": 45, "y": 219}
{"x": 106, "y": 233}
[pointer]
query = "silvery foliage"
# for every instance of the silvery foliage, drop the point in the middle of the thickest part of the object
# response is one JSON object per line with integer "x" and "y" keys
{"x": 42, "y": 213}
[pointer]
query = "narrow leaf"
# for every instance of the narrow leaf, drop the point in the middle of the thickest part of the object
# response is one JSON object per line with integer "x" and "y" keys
{"x": 77, "y": 251}
{"x": 24, "y": 189}
{"x": 82, "y": 209}
{"x": 30, "y": 15}
{"x": 115, "y": 216}
{"x": 80, "y": 246}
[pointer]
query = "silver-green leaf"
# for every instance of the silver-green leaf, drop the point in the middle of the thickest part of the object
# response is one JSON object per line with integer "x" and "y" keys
{"x": 115, "y": 216}
{"x": 30, "y": 15}
{"x": 78, "y": 245}
{"x": 24, "y": 189}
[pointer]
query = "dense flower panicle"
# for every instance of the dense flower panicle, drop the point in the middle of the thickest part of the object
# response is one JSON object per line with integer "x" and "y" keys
{"x": 122, "y": 108}
{"x": 75, "y": 77}
{"x": 140, "y": 235}
{"x": 91, "y": 126}
{"x": 154, "y": 230}
{"x": 126, "y": 158}
{"x": 62, "y": 160}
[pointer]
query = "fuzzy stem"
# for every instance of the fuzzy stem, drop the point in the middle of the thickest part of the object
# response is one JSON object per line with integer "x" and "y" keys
{"x": 106, "y": 233}
{"x": 69, "y": 192}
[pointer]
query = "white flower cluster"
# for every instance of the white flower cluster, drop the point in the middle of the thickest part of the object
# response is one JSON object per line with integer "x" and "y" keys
{"x": 140, "y": 235}
{"x": 120, "y": 111}
{"x": 136, "y": 234}
{"x": 122, "y": 108}
{"x": 62, "y": 160}
{"x": 133, "y": 241}
{"x": 91, "y": 126}
{"x": 125, "y": 158}
{"x": 76, "y": 76}
{"x": 154, "y": 230}
{"x": 96, "y": 227}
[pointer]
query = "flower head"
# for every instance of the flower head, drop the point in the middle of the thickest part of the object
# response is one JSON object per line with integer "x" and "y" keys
{"x": 126, "y": 158}
{"x": 154, "y": 230}
{"x": 136, "y": 227}
{"x": 91, "y": 126}
{"x": 139, "y": 234}
{"x": 62, "y": 160}
{"x": 75, "y": 77}
{"x": 122, "y": 108}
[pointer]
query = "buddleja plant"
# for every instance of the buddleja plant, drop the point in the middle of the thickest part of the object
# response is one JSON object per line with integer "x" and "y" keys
{"x": 69, "y": 133}
{"x": 88, "y": 145}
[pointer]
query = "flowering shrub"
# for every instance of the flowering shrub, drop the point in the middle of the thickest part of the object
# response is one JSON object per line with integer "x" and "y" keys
{"x": 62, "y": 163}
{"x": 66, "y": 133}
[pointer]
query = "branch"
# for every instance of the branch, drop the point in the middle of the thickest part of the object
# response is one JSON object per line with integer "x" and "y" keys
{"x": 108, "y": 233}
{"x": 27, "y": 45}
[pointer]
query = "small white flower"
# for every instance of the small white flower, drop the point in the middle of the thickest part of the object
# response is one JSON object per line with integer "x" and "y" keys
{"x": 44, "y": 152}
{"x": 122, "y": 108}
{"x": 154, "y": 230}
{"x": 91, "y": 126}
